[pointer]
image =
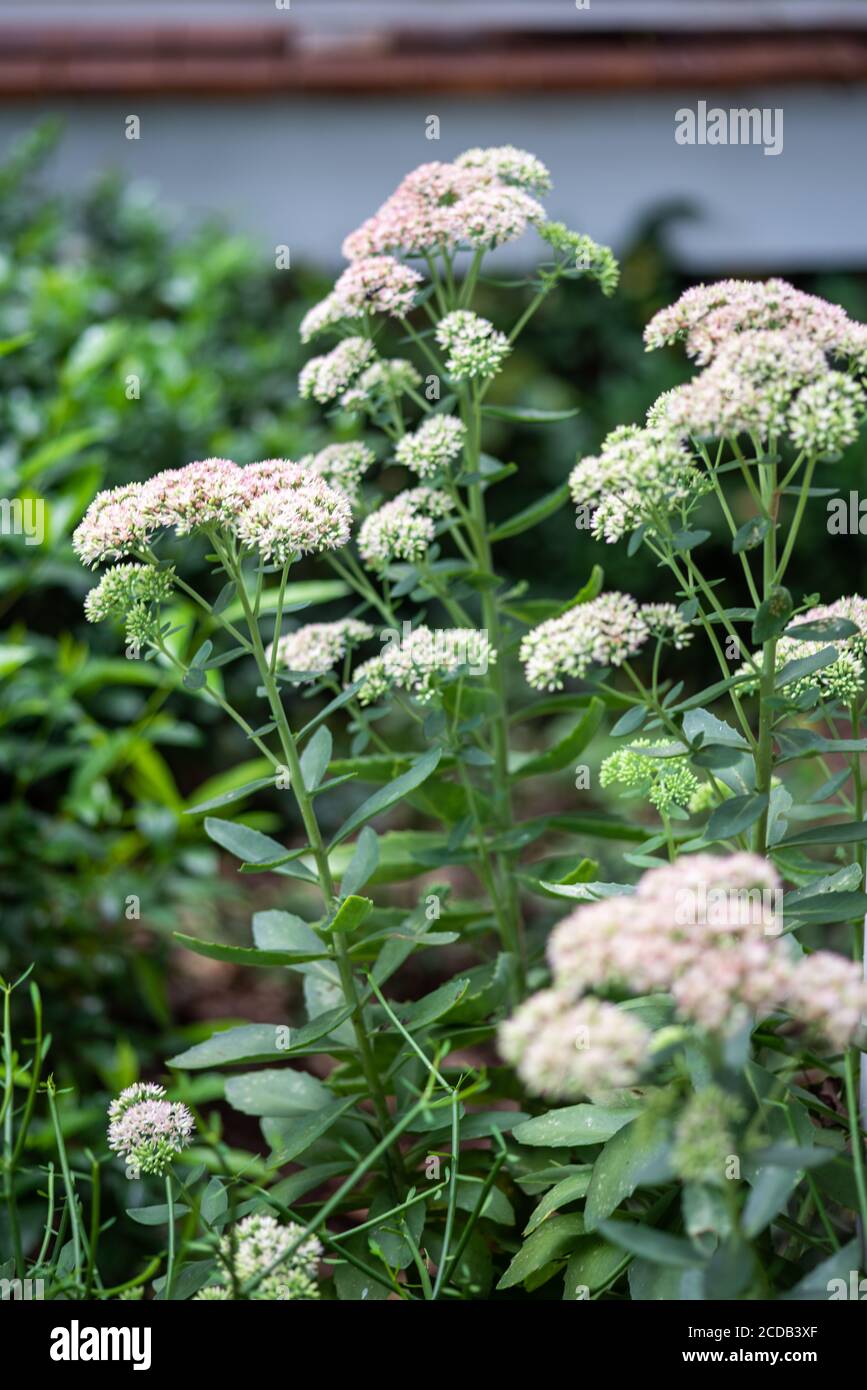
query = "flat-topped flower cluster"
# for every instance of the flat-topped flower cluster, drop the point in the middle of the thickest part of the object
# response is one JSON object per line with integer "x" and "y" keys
{"x": 778, "y": 364}
{"x": 604, "y": 632}
{"x": 418, "y": 660}
{"x": 690, "y": 930}
{"x": 842, "y": 679}
{"x": 316, "y": 648}
{"x": 283, "y": 1256}
{"x": 480, "y": 199}
{"x": 276, "y": 507}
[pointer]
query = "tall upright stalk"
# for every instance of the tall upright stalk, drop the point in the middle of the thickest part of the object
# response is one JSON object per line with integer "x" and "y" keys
{"x": 764, "y": 751}
{"x": 323, "y": 868}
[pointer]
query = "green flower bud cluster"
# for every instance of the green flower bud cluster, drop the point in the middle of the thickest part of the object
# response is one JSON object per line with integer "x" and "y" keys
{"x": 703, "y": 1138}
{"x": 664, "y": 782}
{"x": 583, "y": 253}
{"x": 133, "y": 592}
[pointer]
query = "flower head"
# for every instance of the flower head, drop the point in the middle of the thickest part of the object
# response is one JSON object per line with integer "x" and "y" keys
{"x": 826, "y": 414}
{"x": 395, "y": 531}
{"x": 342, "y": 466}
{"x": 843, "y": 679}
{"x": 133, "y": 592}
{"x": 297, "y": 521}
{"x": 564, "y": 1050}
{"x": 665, "y": 781}
{"x": 316, "y": 648}
{"x": 124, "y": 585}
{"x": 419, "y": 660}
{"x": 749, "y": 386}
{"x": 706, "y": 930}
{"x": 473, "y": 346}
{"x": 707, "y": 317}
{"x": 326, "y": 377}
{"x": 442, "y": 207}
{"x": 380, "y": 384}
{"x": 430, "y": 449}
{"x": 605, "y": 632}
{"x": 581, "y": 253}
{"x": 148, "y": 1130}
{"x": 374, "y": 284}
{"x": 114, "y": 525}
{"x": 509, "y": 165}
{"x": 259, "y": 1243}
{"x": 638, "y": 478}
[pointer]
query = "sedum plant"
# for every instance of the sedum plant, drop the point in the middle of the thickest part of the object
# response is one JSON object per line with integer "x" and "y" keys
{"x": 715, "y": 1041}
{"x": 708, "y": 1055}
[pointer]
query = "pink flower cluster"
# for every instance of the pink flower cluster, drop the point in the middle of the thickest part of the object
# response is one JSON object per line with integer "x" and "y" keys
{"x": 705, "y": 930}
{"x": 147, "y": 1129}
{"x": 374, "y": 284}
{"x": 275, "y": 506}
{"x": 748, "y": 386}
{"x": 767, "y": 350}
{"x": 473, "y": 202}
{"x": 566, "y": 1050}
{"x": 706, "y": 316}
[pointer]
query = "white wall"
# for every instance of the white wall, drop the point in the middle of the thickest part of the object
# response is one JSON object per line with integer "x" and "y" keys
{"x": 304, "y": 171}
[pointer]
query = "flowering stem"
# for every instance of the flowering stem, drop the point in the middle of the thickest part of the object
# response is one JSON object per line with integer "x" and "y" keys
{"x": 764, "y": 751}
{"x": 477, "y": 522}
{"x": 320, "y": 855}
{"x": 857, "y": 1061}
{"x": 853, "y": 1060}
{"x": 68, "y": 1181}
{"x": 534, "y": 305}
{"x": 170, "y": 1267}
{"x": 796, "y": 523}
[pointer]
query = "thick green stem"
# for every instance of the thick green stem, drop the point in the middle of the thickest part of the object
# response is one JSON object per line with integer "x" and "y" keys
{"x": 853, "y": 1062}
{"x": 765, "y": 749}
{"x": 502, "y": 801}
{"x": 170, "y": 1266}
{"x": 326, "y": 882}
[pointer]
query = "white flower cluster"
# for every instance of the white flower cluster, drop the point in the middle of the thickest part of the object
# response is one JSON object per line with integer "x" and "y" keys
{"x": 827, "y": 414}
{"x": 380, "y": 385}
{"x": 258, "y": 1244}
{"x": 706, "y": 317}
{"x": 508, "y": 164}
{"x": 478, "y": 201}
{"x": 474, "y": 348}
{"x": 691, "y": 930}
{"x": 275, "y": 506}
{"x": 402, "y": 529}
{"x": 342, "y": 466}
{"x": 767, "y": 350}
{"x": 430, "y": 449}
{"x": 324, "y": 378}
{"x": 316, "y": 648}
{"x": 148, "y": 1130}
{"x": 419, "y": 660}
{"x": 638, "y": 478}
{"x": 844, "y": 679}
{"x": 604, "y": 632}
{"x": 299, "y": 521}
{"x": 565, "y": 1050}
{"x": 374, "y": 284}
